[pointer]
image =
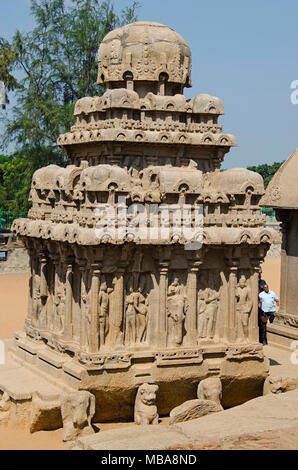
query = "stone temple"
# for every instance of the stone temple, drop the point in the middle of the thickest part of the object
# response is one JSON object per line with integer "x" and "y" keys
{"x": 281, "y": 194}
{"x": 108, "y": 309}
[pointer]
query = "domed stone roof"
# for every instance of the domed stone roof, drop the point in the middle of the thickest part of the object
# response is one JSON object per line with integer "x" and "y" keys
{"x": 238, "y": 181}
{"x": 144, "y": 50}
{"x": 282, "y": 189}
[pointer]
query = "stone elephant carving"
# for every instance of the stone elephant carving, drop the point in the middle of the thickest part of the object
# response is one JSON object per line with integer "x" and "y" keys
{"x": 103, "y": 177}
{"x": 210, "y": 389}
{"x": 77, "y": 410}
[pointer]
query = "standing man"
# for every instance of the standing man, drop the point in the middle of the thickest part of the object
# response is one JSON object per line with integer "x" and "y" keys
{"x": 268, "y": 302}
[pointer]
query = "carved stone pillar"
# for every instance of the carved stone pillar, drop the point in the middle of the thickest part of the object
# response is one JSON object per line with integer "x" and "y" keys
{"x": 31, "y": 286}
{"x": 68, "y": 300}
{"x": 56, "y": 261}
{"x": 43, "y": 261}
{"x": 51, "y": 279}
{"x": 253, "y": 331}
{"x": 94, "y": 308}
{"x": 162, "y": 320}
{"x": 84, "y": 304}
{"x": 191, "y": 315}
{"x": 35, "y": 289}
{"x": 283, "y": 264}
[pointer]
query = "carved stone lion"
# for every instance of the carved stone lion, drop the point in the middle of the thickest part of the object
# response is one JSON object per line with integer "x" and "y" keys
{"x": 145, "y": 404}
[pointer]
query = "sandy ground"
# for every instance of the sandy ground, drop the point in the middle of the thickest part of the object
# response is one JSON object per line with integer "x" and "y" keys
{"x": 14, "y": 439}
{"x": 14, "y": 301}
{"x": 13, "y": 307}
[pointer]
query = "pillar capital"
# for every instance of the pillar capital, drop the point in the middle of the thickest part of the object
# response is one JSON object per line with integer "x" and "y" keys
{"x": 233, "y": 264}
{"x": 163, "y": 267}
{"x": 82, "y": 264}
{"x": 194, "y": 266}
{"x": 96, "y": 268}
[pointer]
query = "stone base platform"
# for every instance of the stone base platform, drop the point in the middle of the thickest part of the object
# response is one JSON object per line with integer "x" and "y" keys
{"x": 35, "y": 376}
{"x": 281, "y": 336}
{"x": 34, "y": 398}
{"x": 263, "y": 414}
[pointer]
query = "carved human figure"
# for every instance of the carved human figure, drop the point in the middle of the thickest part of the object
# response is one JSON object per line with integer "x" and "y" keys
{"x": 59, "y": 301}
{"x": 244, "y": 304}
{"x": 201, "y": 313}
{"x": 87, "y": 318}
{"x": 103, "y": 313}
{"x": 137, "y": 192}
{"x": 141, "y": 307}
{"x": 211, "y": 300}
{"x": 176, "y": 313}
{"x": 145, "y": 411}
{"x": 130, "y": 310}
{"x": 44, "y": 305}
{"x": 36, "y": 299}
{"x": 210, "y": 389}
{"x": 207, "y": 309}
{"x": 153, "y": 192}
{"x": 77, "y": 410}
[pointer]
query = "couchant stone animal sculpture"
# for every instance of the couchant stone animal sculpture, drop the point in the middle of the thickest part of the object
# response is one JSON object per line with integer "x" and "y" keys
{"x": 209, "y": 395}
{"x": 145, "y": 404}
{"x": 274, "y": 385}
{"x": 5, "y": 402}
{"x": 5, "y": 405}
{"x": 210, "y": 389}
{"x": 77, "y": 410}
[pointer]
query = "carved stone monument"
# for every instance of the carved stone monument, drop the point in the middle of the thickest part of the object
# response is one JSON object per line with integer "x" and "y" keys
{"x": 282, "y": 195}
{"x": 112, "y": 308}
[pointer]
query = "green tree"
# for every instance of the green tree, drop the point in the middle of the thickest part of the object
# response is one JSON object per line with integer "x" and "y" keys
{"x": 266, "y": 171}
{"x": 58, "y": 64}
{"x": 15, "y": 180}
{"x": 7, "y": 63}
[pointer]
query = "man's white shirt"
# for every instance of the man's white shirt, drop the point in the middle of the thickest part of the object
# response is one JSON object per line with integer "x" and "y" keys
{"x": 268, "y": 301}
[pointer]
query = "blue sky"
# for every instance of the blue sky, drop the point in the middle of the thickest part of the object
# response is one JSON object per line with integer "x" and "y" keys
{"x": 243, "y": 52}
